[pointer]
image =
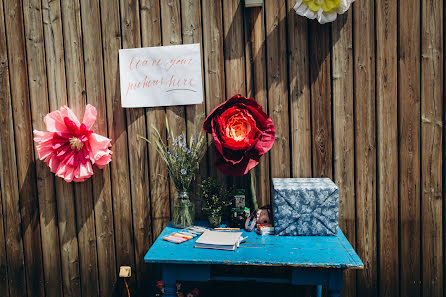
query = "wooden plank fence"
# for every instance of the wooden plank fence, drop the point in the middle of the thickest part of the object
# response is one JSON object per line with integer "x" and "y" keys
{"x": 360, "y": 100}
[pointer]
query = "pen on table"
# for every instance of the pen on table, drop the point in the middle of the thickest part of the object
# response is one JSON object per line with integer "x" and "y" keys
{"x": 227, "y": 229}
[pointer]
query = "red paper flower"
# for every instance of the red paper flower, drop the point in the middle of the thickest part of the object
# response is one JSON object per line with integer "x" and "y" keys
{"x": 69, "y": 147}
{"x": 242, "y": 132}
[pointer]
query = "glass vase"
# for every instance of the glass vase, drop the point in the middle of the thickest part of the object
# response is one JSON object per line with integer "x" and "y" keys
{"x": 214, "y": 220}
{"x": 183, "y": 211}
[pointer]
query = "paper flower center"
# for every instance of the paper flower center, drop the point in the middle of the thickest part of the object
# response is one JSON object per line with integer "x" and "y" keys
{"x": 76, "y": 144}
{"x": 238, "y": 128}
{"x": 326, "y": 5}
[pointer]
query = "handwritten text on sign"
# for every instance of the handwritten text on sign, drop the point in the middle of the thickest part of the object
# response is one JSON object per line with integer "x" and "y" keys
{"x": 161, "y": 76}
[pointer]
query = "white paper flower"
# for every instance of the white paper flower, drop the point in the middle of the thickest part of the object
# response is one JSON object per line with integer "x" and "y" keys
{"x": 325, "y": 11}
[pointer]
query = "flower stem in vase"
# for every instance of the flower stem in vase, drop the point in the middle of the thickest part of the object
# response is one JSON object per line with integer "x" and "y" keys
{"x": 183, "y": 214}
{"x": 252, "y": 189}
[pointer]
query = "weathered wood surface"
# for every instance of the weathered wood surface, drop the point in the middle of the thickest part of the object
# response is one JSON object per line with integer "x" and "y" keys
{"x": 57, "y": 97}
{"x": 409, "y": 146}
{"x": 255, "y": 52}
{"x": 94, "y": 77}
{"x": 171, "y": 35}
{"x": 193, "y": 33}
{"x": 13, "y": 269}
{"x": 432, "y": 142}
{"x": 137, "y": 150}
{"x": 26, "y": 168}
{"x": 365, "y": 146}
{"x": 35, "y": 51}
{"x": 343, "y": 133}
{"x": 360, "y": 100}
{"x": 277, "y": 86}
{"x": 387, "y": 153}
{"x": 233, "y": 30}
{"x": 77, "y": 100}
{"x": 300, "y": 103}
{"x": 116, "y": 125}
{"x": 321, "y": 100}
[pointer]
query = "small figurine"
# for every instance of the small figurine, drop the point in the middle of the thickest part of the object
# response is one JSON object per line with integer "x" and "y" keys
{"x": 179, "y": 292}
{"x": 159, "y": 291}
{"x": 261, "y": 216}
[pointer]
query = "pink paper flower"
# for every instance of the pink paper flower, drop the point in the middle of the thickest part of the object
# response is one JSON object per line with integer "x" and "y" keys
{"x": 69, "y": 147}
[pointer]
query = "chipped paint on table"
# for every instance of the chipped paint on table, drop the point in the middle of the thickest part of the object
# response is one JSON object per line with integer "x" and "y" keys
{"x": 312, "y": 260}
{"x": 294, "y": 251}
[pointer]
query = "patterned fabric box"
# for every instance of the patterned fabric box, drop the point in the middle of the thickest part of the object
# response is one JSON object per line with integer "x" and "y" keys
{"x": 305, "y": 206}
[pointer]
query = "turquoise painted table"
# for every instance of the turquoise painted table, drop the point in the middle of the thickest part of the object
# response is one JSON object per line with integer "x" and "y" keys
{"x": 311, "y": 260}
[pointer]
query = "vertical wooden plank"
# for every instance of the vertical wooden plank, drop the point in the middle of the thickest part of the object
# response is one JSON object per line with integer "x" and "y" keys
{"x": 138, "y": 160}
{"x": 275, "y": 22}
{"x": 234, "y": 51}
{"x": 344, "y": 134}
{"x": 159, "y": 180}
{"x": 255, "y": 58}
{"x": 213, "y": 68}
{"x": 319, "y": 49}
{"x": 15, "y": 263}
{"x": 116, "y": 118}
{"x": 192, "y": 33}
{"x": 45, "y": 180}
{"x": 103, "y": 212}
{"x": 234, "y": 56}
{"x": 55, "y": 66}
{"x": 387, "y": 156}
{"x": 299, "y": 96}
{"x": 4, "y": 95}
{"x": 299, "y": 93}
{"x": 431, "y": 143}
{"x": 74, "y": 58}
{"x": 365, "y": 141}
{"x": 4, "y": 289}
{"x": 171, "y": 35}
{"x": 158, "y": 177}
{"x": 24, "y": 146}
{"x": 57, "y": 95}
{"x": 409, "y": 146}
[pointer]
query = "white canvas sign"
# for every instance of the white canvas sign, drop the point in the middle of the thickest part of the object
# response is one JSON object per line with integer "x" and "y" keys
{"x": 161, "y": 76}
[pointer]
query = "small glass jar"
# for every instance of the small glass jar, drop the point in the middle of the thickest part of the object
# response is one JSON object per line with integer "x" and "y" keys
{"x": 214, "y": 220}
{"x": 183, "y": 211}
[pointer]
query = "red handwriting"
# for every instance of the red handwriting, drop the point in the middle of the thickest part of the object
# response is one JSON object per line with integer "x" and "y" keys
{"x": 136, "y": 62}
{"x": 172, "y": 83}
{"x": 180, "y": 82}
{"x": 173, "y": 62}
{"x": 146, "y": 83}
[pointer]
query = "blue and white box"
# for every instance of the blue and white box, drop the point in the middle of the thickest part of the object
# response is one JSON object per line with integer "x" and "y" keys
{"x": 305, "y": 206}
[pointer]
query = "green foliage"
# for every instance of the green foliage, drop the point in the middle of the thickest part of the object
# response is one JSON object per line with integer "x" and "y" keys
{"x": 182, "y": 158}
{"x": 215, "y": 197}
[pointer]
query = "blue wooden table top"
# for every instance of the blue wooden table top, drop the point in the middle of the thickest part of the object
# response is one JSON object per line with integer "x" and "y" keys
{"x": 269, "y": 250}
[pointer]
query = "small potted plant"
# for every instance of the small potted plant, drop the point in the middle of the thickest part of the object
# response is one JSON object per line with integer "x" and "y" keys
{"x": 215, "y": 200}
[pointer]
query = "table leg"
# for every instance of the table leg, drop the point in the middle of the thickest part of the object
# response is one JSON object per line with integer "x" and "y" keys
{"x": 169, "y": 280}
{"x": 177, "y": 272}
{"x": 318, "y": 291}
{"x": 335, "y": 283}
{"x": 170, "y": 290}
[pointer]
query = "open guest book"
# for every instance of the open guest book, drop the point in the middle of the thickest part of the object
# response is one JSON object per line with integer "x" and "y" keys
{"x": 219, "y": 240}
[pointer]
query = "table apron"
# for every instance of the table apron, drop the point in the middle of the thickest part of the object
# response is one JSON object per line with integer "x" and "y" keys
{"x": 330, "y": 277}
